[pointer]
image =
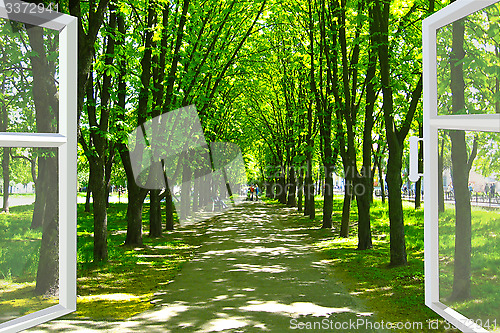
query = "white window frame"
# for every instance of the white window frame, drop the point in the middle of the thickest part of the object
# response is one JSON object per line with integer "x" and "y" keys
{"x": 65, "y": 141}
{"x": 432, "y": 123}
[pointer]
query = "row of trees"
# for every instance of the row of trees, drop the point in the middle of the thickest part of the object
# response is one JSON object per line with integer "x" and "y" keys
{"x": 340, "y": 87}
{"x": 293, "y": 84}
{"x": 296, "y": 85}
{"x": 136, "y": 60}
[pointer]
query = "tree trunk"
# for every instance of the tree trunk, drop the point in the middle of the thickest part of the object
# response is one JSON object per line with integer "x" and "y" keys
{"x": 100, "y": 211}
{"x": 269, "y": 189}
{"x": 292, "y": 188}
{"x": 440, "y": 179}
{"x": 46, "y": 209}
{"x": 309, "y": 208}
{"x": 463, "y": 227}
{"x": 418, "y": 184}
{"x": 300, "y": 193}
{"x": 196, "y": 191}
{"x": 282, "y": 186}
{"x": 397, "y": 232}
{"x": 169, "y": 210}
{"x": 6, "y": 178}
{"x": 363, "y": 199}
{"x": 395, "y": 136}
{"x": 346, "y": 209}
{"x": 136, "y": 197}
{"x": 364, "y": 182}
{"x": 381, "y": 179}
{"x": 155, "y": 228}
{"x": 186, "y": 191}
{"x": 87, "y": 197}
{"x": 461, "y": 166}
{"x": 47, "y": 277}
{"x": 328, "y": 197}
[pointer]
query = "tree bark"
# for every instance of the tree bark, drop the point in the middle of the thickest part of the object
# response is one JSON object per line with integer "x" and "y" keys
{"x": 6, "y": 178}
{"x": 155, "y": 227}
{"x": 169, "y": 210}
{"x": 440, "y": 179}
{"x": 47, "y": 277}
{"x": 346, "y": 209}
{"x": 292, "y": 188}
{"x": 328, "y": 197}
{"x": 87, "y": 197}
{"x": 461, "y": 166}
{"x": 418, "y": 184}
{"x": 136, "y": 197}
{"x": 282, "y": 186}
{"x": 463, "y": 226}
{"x": 300, "y": 192}
{"x": 363, "y": 199}
{"x": 395, "y": 136}
{"x": 381, "y": 179}
{"x": 364, "y": 179}
{"x": 186, "y": 190}
{"x": 46, "y": 210}
{"x": 100, "y": 212}
{"x": 309, "y": 208}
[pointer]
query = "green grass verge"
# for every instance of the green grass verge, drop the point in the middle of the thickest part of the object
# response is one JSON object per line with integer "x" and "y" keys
{"x": 397, "y": 294}
{"x": 484, "y": 305}
{"x": 115, "y": 290}
{"x": 19, "y": 249}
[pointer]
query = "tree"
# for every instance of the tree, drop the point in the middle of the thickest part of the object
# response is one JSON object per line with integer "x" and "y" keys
{"x": 46, "y": 209}
{"x": 461, "y": 166}
{"x": 395, "y": 134}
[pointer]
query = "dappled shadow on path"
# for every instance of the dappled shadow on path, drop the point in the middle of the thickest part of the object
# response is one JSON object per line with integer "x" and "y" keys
{"x": 254, "y": 272}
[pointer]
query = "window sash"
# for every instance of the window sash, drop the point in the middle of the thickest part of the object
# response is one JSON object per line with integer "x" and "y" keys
{"x": 432, "y": 123}
{"x": 66, "y": 143}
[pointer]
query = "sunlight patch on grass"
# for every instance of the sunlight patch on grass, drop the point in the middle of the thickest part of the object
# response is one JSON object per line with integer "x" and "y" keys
{"x": 17, "y": 299}
{"x": 397, "y": 294}
{"x": 126, "y": 284}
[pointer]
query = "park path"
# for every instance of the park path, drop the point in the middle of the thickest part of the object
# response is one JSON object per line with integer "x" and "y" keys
{"x": 256, "y": 272}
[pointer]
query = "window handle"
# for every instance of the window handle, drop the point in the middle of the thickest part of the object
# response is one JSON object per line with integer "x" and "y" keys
{"x": 414, "y": 175}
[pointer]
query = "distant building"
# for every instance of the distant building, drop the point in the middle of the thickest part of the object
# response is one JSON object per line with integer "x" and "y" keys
{"x": 20, "y": 188}
{"x": 477, "y": 181}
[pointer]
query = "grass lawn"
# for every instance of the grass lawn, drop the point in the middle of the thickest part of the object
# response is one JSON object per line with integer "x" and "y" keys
{"x": 19, "y": 249}
{"x": 126, "y": 285}
{"x": 119, "y": 289}
{"x": 484, "y": 304}
{"x": 397, "y": 294}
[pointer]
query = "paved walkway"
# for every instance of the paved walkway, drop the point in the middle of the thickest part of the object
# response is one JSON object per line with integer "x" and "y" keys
{"x": 257, "y": 272}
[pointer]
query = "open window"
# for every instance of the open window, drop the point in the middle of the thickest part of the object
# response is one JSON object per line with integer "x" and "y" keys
{"x": 38, "y": 90}
{"x": 461, "y": 54}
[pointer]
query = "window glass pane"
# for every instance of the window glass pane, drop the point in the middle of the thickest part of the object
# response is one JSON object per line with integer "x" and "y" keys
{"x": 29, "y": 231}
{"x": 469, "y": 225}
{"x": 472, "y": 57}
{"x": 29, "y": 76}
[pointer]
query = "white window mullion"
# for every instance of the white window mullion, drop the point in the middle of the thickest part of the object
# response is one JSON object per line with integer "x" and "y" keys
{"x": 31, "y": 139}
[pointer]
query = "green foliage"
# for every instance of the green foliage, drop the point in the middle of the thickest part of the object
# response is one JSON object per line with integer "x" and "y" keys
{"x": 481, "y": 65}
